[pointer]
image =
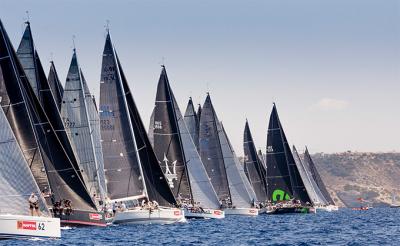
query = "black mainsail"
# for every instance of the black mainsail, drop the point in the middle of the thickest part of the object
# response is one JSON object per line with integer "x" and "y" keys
{"x": 55, "y": 85}
{"x": 198, "y": 114}
{"x": 33, "y": 131}
{"x": 255, "y": 170}
{"x": 167, "y": 140}
{"x": 211, "y": 152}
{"x": 192, "y": 122}
{"x": 317, "y": 177}
{"x": 283, "y": 178}
{"x": 131, "y": 167}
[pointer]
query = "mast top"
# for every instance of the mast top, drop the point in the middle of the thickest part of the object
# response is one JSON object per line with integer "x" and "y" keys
{"x": 73, "y": 43}
{"x": 27, "y": 18}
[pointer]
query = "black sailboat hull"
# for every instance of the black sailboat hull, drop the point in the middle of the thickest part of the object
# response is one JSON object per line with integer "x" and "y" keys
{"x": 292, "y": 210}
{"x": 83, "y": 218}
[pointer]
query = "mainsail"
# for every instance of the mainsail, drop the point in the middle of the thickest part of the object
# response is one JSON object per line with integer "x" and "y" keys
{"x": 55, "y": 85}
{"x": 309, "y": 183}
{"x": 174, "y": 130}
{"x": 26, "y": 56}
{"x": 242, "y": 194}
{"x": 198, "y": 114}
{"x": 283, "y": 178}
{"x": 131, "y": 167}
{"x": 16, "y": 180}
{"x": 317, "y": 177}
{"x": 211, "y": 152}
{"x": 192, "y": 122}
{"x": 254, "y": 167}
{"x": 32, "y": 129}
{"x": 75, "y": 115}
{"x": 167, "y": 140}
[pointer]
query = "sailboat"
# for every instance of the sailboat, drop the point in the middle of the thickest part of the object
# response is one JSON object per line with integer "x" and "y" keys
{"x": 52, "y": 165}
{"x": 133, "y": 176}
{"x": 81, "y": 122}
{"x": 255, "y": 169}
{"x": 310, "y": 166}
{"x": 394, "y": 203}
{"x": 317, "y": 199}
{"x": 17, "y": 183}
{"x": 223, "y": 167}
{"x": 285, "y": 188}
{"x": 178, "y": 156}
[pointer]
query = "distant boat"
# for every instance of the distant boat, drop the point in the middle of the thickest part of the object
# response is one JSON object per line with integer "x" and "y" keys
{"x": 394, "y": 203}
{"x": 133, "y": 175}
{"x": 285, "y": 188}
{"x": 178, "y": 156}
{"x": 222, "y": 165}
{"x": 54, "y": 169}
{"x": 312, "y": 169}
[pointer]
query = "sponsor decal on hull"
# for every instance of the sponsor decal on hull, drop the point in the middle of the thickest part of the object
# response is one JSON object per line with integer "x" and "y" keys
{"x": 217, "y": 212}
{"x": 26, "y": 225}
{"x": 95, "y": 216}
{"x": 177, "y": 213}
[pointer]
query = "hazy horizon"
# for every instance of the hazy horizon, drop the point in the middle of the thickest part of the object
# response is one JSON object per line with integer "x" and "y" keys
{"x": 331, "y": 67}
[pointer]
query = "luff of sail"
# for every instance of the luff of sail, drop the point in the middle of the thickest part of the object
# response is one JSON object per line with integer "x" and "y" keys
{"x": 55, "y": 85}
{"x": 254, "y": 166}
{"x": 312, "y": 191}
{"x": 200, "y": 188}
{"x": 16, "y": 179}
{"x": 317, "y": 177}
{"x": 192, "y": 122}
{"x": 122, "y": 169}
{"x": 64, "y": 180}
{"x": 167, "y": 140}
{"x": 74, "y": 112}
{"x": 211, "y": 152}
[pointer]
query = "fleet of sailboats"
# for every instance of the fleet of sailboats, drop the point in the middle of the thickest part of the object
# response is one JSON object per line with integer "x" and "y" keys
{"x": 95, "y": 165}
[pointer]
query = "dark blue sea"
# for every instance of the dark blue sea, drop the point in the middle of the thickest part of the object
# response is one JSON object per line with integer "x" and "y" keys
{"x": 378, "y": 226}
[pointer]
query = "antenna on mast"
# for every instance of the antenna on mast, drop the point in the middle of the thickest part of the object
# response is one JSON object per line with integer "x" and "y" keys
{"x": 73, "y": 42}
{"x": 27, "y": 17}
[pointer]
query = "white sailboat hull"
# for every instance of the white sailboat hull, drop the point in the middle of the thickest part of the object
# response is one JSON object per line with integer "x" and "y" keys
{"x": 22, "y": 226}
{"x": 145, "y": 216}
{"x": 241, "y": 211}
{"x": 205, "y": 214}
{"x": 329, "y": 208}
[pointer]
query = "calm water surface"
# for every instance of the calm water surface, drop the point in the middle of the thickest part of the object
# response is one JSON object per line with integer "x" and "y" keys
{"x": 346, "y": 227}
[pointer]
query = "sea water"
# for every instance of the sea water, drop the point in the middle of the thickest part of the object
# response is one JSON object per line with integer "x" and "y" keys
{"x": 378, "y": 226}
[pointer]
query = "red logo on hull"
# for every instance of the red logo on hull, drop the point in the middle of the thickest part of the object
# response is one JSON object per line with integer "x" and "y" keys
{"x": 95, "y": 216}
{"x": 217, "y": 212}
{"x": 26, "y": 225}
{"x": 177, "y": 213}
{"x": 252, "y": 211}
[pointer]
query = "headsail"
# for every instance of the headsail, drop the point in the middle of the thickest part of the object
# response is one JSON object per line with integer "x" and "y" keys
{"x": 192, "y": 122}
{"x": 198, "y": 114}
{"x": 32, "y": 128}
{"x": 254, "y": 166}
{"x": 55, "y": 85}
{"x": 211, "y": 152}
{"x": 156, "y": 183}
{"x": 200, "y": 187}
{"x": 312, "y": 191}
{"x": 242, "y": 194}
{"x": 16, "y": 180}
{"x": 317, "y": 177}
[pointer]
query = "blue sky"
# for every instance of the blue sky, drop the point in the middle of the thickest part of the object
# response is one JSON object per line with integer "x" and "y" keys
{"x": 332, "y": 67}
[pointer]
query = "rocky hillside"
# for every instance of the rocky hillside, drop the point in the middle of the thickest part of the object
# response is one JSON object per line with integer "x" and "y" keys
{"x": 374, "y": 177}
